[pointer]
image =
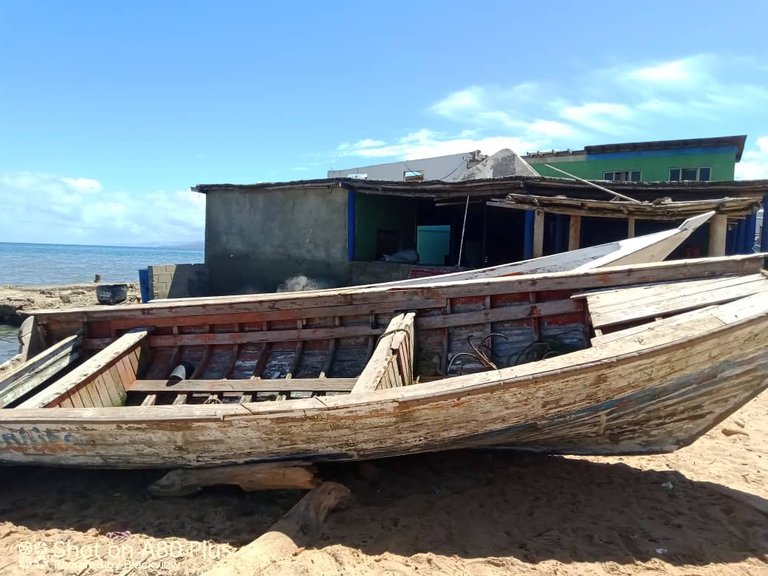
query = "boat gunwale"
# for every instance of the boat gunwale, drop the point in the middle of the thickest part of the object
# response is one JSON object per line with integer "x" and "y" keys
{"x": 373, "y": 294}
{"x": 400, "y": 397}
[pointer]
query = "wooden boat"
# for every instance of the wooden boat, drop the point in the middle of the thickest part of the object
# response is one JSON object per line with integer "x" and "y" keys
{"x": 647, "y": 248}
{"x": 622, "y": 360}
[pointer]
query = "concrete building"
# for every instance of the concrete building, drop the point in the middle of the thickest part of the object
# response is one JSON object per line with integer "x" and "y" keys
{"x": 339, "y": 230}
{"x": 693, "y": 159}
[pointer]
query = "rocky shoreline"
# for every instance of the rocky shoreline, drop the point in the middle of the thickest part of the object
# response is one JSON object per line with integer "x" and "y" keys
{"x": 16, "y": 302}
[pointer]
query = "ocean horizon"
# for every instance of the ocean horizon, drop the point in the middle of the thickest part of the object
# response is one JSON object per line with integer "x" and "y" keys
{"x": 24, "y": 264}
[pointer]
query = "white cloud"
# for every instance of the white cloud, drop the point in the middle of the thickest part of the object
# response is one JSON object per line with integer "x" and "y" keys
{"x": 60, "y": 209}
{"x": 693, "y": 96}
{"x": 754, "y": 163}
{"x": 426, "y": 143}
{"x": 469, "y": 99}
{"x": 606, "y": 117}
{"x": 684, "y": 73}
{"x": 84, "y": 185}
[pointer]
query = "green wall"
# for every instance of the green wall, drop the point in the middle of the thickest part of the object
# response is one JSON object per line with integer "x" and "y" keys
{"x": 373, "y": 213}
{"x": 653, "y": 167}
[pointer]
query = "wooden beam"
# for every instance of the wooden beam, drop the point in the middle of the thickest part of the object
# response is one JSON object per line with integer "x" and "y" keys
{"x": 518, "y": 311}
{"x": 224, "y": 338}
{"x": 252, "y": 385}
{"x": 350, "y": 301}
{"x": 594, "y": 185}
{"x": 293, "y": 531}
{"x": 392, "y": 361}
{"x": 718, "y": 228}
{"x": 31, "y": 337}
{"x": 574, "y": 232}
{"x": 89, "y": 369}
{"x": 250, "y": 477}
{"x": 538, "y": 234}
{"x": 37, "y": 370}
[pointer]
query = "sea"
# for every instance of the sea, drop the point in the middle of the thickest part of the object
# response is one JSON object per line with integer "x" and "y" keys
{"x": 56, "y": 264}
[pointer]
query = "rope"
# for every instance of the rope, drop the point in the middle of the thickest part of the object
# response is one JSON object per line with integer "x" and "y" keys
{"x": 388, "y": 332}
{"x": 463, "y": 229}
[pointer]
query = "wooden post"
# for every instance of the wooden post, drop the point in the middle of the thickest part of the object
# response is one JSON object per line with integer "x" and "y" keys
{"x": 630, "y": 227}
{"x": 764, "y": 227}
{"x": 718, "y": 227}
{"x": 538, "y": 234}
{"x": 574, "y": 233}
{"x": 293, "y": 531}
{"x": 250, "y": 477}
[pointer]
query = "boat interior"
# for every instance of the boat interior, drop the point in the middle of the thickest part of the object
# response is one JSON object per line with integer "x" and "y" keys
{"x": 308, "y": 348}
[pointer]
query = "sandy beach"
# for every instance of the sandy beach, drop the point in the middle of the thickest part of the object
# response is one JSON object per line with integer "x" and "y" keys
{"x": 701, "y": 510}
{"x": 454, "y": 513}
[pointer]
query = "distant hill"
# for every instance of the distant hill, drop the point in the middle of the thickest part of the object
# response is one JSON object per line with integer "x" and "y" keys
{"x": 197, "y": 245}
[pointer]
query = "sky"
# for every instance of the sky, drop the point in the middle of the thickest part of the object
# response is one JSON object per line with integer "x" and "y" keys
{"x": 110, "y": 111}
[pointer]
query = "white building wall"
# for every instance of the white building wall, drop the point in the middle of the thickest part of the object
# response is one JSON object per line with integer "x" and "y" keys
{"x": 446, "y": 168}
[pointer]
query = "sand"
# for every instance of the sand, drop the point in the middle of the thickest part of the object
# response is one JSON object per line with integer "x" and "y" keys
{"x": 454, "y": 513}
{"x": 701, "y": 510}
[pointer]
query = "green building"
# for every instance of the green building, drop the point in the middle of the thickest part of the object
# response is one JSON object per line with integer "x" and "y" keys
{"x": 695, "y": 159}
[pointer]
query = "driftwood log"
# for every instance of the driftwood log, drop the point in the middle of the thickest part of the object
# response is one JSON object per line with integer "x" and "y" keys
{"x": 250, "y": 477}
{"x": 293, "y": 531}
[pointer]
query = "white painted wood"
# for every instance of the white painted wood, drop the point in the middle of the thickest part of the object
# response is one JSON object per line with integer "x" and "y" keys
{"x": 632, "y": 304}
{"x": 103, "y": 359}
{"x": 37, "y": 370}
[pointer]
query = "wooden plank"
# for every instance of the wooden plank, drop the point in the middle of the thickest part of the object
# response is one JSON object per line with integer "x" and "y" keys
{"x": 664, "y": 300}
{"x": 86, "y": 371}
{"x": 180, "y": 399}
{"x": 250, "y": 477}
{"x": 74, "y": 396}
{"x": 649, "y": 294}
{"x": 66, "y": 402}
{"x": 311, "y": 311}
{"x": 499, "y": 314}
{"x": 599, "y": 295}
{"x": 85, "y": 395}
{"x": 397, "y": 340}
{"x": 149, "y": 400}
{"x": 253, "y": 385}
{"x": 261, "y": 361}
{"x": 115, "y": 389}
{"x": 328, "y": 364}
{"x": 37, "y": 370}
{"x": 271, "y": 336}
{"x": 296, "y": 359}
{"x": 99, "y": 391}
{"x": 416, "y": 297}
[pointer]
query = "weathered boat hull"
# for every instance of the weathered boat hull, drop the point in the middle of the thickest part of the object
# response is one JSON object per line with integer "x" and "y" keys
{"x": 635, "y": 391}
{"x": 588, "y": 408}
